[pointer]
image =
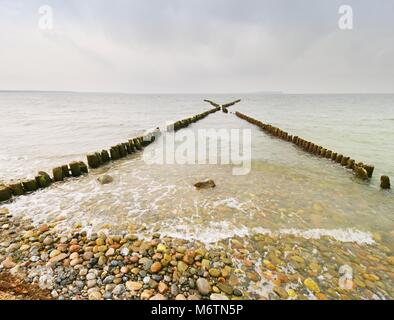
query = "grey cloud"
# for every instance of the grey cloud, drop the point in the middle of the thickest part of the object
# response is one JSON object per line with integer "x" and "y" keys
{"x": 201, "y": 45}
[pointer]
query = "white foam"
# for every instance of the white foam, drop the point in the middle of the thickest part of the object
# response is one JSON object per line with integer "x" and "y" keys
{"x": 343, "y": 235}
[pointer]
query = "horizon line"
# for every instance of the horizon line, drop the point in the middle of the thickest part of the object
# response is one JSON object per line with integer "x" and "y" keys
{"x": 273, "y": 92}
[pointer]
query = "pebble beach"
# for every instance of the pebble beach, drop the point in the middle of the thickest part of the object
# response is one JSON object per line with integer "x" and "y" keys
{"x": 75, "y": 266}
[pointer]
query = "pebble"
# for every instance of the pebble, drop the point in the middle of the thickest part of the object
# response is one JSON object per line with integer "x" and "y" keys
{"x": 110, "y": 252}
{"x": 87, "y": 256}
{"x": 162, "y": 287}
{"x": 147, "y": 294}
{"x": 90, "y": 276}
{"x": 174, "y": 289}
{"x": 156, "y": 267}
{"x": 182, "y": 267}
{"x": 219, "y": 297}
{"x": 119, "y": 289}
{"x": 225, "y": 288}
{"x": 311, "y": 285}
{"x": 214, "y": 272}
{"x": 237, "y": 293}
{"x": 203, "y": 286}
{"x": 8, "y": 263}
{"x": 282, "y": 293}
{"x": 108, "y": 279}
{"x": 158, "y": 296}
{"x": 95, "y": 295}
{"x": 161, "y": 248}
{"x": 133, "y": 285}
{"x": 48, "y": 241}
{"x": 75, "y": 248}
{"x": 124, "y": 251}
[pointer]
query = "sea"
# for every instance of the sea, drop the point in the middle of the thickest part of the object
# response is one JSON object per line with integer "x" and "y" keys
{"x": 286, "y": 191}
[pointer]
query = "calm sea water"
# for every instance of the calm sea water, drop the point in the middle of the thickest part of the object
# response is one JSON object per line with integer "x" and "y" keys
{"x": 287, "y": 190}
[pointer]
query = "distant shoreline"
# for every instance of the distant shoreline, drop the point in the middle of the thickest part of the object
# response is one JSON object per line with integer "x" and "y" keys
{"x": 195, "y": 93}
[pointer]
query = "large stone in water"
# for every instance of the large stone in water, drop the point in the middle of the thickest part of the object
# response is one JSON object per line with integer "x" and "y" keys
{"x": 5, "y": 193}
{"x": 205, "y": 184}
{"x": 30, "y": 185}
{"x": 339, "y": 158}
{"x": 105, "y": 179}
{"x": 385, "y": 182}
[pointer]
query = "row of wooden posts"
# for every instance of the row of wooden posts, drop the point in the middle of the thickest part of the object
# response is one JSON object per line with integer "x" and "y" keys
{"x": 361, "y": 170}
{"x": 74, "y": 169}
{"x": 188, "y": 121}
{"x": 94, "y": 160}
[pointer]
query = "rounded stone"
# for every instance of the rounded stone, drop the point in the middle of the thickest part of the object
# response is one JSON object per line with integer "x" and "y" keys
{"x": 203, "y": 286}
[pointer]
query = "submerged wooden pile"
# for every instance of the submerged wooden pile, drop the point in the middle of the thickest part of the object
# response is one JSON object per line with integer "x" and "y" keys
{"x": 361, "y": 170}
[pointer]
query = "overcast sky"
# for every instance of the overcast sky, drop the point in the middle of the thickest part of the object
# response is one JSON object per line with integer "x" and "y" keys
{"x": 176, "y": 46}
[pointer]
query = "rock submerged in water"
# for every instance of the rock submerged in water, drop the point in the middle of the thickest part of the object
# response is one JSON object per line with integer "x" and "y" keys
{"x": 208, "y": 184}
{"x": 105, "y": 179}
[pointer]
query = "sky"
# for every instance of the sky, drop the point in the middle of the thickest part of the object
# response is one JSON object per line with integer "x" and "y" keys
{"x": 197, "y": 46}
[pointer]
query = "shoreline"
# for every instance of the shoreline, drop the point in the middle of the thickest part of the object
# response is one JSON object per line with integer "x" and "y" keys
{"x": 73, "y": 266}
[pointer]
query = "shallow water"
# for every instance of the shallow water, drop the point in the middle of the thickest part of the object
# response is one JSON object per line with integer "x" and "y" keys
{"x": 287, "y": 191}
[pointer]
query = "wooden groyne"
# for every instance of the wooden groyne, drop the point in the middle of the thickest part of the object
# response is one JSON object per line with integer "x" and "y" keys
{"x": 188, "y": 121}
{"x": 225, "y": 106}
{"x": 94, "y": 160}
{"x": 361, "y": 170}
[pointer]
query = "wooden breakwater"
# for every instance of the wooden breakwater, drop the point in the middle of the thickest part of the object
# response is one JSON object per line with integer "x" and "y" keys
{"x": 361, "y": 170}
{"x": 94, "y": 160}
{"x": 188, "y": 121}
{"x": 225, "y": 106}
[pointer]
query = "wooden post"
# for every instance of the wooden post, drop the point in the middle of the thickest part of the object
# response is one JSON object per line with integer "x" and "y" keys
{"x": 5, "y": 193}
{"x": 58, "y": 174}
{"x": 75, "y": 168}
{"x": 385, "y": 182}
